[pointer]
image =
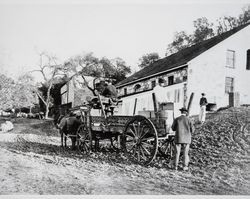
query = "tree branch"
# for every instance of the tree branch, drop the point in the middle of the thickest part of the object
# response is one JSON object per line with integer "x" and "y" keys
{"x": 86, "y": 83}
{"x": 38, "y": 94}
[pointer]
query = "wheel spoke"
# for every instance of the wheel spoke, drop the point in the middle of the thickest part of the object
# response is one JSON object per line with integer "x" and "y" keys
{"x": 138, "y": 128}
{"x": 138, "y": 154}
{"x": 141, "y": 130}
{"x": 136, "y": 133}
{"x": 166, "y": 150}
{"x": 86, "y": 147}
{"x": 145, "y": 149}
{"x": 130, "y": 136}
{"x": 134, "y": 152}
{"x": 147, "y": 144}
{"x": 143, "y": 154}
{"x": 132, "y": 132}
{"x": 132, "y": 148}
{"x": 129, "y": 140}
{"x": 145, "y": 133}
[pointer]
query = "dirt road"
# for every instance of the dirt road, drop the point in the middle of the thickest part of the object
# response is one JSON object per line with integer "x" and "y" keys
{"x": 32, "y": 162}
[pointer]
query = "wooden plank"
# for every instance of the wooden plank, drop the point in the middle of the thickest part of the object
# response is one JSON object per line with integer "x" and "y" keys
{"x": 155, "y": 106}
{"x": 190, "y": 102}
{"x": 135, "y": 106}
{"x": 102, "y": 107}
{"x": 154, "y": 102}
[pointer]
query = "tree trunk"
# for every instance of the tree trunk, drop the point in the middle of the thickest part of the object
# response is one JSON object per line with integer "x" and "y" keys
{"x": 47, "y": 102}
{"x": 47, "y": 112}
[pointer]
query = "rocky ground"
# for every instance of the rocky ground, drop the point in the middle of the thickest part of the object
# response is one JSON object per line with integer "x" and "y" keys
{"x": 32, "y": 162}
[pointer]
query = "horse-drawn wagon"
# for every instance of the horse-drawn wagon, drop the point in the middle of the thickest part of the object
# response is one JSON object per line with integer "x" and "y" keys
{"x": 140, "y": 137}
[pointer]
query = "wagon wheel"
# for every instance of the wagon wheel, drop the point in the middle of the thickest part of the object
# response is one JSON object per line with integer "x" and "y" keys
{"x": 84, "y": 139}
{"x": 140, "y": 140}
{"x": 167, "y": 147}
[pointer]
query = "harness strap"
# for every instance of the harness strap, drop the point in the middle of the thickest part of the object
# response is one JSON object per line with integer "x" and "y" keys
{"x": 70, "y": 135}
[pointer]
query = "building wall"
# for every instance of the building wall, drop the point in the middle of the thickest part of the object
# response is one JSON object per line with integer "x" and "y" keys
{"x": 145, "y": 100}
{"x": 64, "y": 94}
{"x": 75, "y": 92}
{"x": 71, "y": 92}
{"x": 179, "y": 76}
{"x": 207, "y": 72}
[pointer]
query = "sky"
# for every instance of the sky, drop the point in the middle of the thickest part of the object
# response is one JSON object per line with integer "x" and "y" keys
{"x": 126, "y": 29}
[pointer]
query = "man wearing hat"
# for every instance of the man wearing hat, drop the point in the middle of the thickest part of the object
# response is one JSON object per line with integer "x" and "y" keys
{"x": 183, "y": 127}
{"x": 203, "y": 104}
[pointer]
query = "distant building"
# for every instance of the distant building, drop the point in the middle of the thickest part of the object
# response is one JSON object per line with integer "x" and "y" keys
{"x": 219, "y": 67}
{"x": 75, "y": 91}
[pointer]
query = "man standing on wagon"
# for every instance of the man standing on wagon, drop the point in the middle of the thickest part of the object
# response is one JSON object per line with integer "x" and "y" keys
{"x": 183, "y": 127}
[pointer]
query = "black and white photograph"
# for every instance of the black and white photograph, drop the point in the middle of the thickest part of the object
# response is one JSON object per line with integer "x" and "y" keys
{"x": 125, "y": 98}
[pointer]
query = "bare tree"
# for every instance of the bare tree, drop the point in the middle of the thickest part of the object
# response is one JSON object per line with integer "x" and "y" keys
{"x": 50, "y": 71}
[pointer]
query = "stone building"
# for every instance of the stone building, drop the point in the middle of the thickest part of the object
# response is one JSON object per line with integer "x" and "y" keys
{"x": 219, "y": 67}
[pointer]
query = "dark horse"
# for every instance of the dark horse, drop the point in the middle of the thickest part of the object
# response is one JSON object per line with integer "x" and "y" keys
{"x": 68, "y": 126}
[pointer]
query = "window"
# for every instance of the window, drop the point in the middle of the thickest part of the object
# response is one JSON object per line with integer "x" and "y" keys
{"x": 229, "y": 85}
{"x": 153, "y": 83}
{"x": 177, "y": 95}
{"x": 230, "y": 59}
{"x": 161, "y": 81}
{"x": 170, "y": 80}
{"x": 137, "y": 87}
{"x": 64, "y": 98}
{"x": 125, "y": 91}
{"x": 248, "y": 59}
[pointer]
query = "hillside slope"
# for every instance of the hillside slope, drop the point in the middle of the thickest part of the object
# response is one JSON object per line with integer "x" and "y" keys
{"x": 34, "y": 163}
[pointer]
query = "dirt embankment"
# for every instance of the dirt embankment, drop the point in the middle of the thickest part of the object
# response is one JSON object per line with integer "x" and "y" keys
{"x": 32, "y": 162}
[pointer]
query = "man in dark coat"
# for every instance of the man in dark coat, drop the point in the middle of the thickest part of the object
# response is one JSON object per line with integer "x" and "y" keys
{"x": 203, "y": 104}
{"x": 183, "y": 127}
{"x": 109, "y": 90}
{"x": 111, "y": 93}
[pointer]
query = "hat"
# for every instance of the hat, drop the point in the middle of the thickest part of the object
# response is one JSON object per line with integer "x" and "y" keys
{"x": 183, "y": 109}
{"x": 202, "y": 93}
{"x": 78, "y": 113}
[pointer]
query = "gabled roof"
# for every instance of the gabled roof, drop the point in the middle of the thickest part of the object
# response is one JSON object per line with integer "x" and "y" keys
{"x": 180, "y": 58}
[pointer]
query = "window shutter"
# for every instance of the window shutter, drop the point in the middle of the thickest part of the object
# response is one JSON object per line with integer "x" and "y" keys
{"x": 248, "y": 59}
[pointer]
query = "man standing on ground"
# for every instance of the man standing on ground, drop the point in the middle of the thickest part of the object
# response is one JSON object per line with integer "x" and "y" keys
{"x": 183, "y": 127}
{"x": 203, "y": 104}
